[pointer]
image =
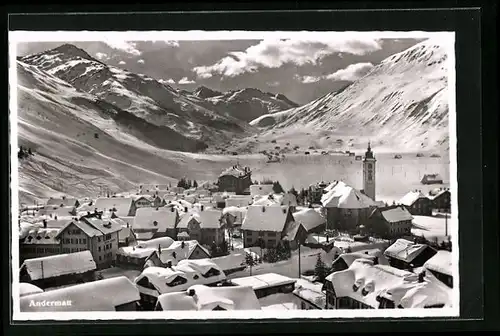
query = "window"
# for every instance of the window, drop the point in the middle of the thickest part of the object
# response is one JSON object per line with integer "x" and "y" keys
{"x": 218, "y": 308}
{"x": 98, "y": 239}
{"x": 84, "y": 241}
{"x": 100, "y": 258}
{"x": 99, "y": 249}
{"x": 71, "y": 241}
{"x": 108, "y": 236}
{"x": 177, "y": 281}
{"x": 211, "y": 272}
{"x": 271, "y": 234}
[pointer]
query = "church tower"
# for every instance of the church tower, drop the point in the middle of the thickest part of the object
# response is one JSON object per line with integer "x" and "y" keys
{"x": 369, "y": 173}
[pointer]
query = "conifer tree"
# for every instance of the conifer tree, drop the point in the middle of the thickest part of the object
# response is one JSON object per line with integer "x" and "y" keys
{"x": 320, "y": 269}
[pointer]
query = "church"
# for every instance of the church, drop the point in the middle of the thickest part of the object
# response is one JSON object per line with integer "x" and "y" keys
{"x": 346, "y": 207}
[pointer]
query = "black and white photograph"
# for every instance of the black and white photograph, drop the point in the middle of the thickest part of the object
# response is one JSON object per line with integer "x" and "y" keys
{"x": 233, "y": 174}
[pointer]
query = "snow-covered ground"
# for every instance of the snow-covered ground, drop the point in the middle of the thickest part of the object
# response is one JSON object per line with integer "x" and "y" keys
{"x": 279, "y": 302}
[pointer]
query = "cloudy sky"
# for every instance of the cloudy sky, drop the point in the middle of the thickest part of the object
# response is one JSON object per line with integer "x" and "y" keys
{"x": 302, "y": 69}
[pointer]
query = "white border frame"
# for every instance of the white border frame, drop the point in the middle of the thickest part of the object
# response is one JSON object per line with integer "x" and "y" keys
{"x": 15, "y": 37}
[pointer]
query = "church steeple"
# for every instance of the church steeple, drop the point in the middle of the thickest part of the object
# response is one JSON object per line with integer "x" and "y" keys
{"x": 369, "y": 153}
{"x": 369, "y": 173}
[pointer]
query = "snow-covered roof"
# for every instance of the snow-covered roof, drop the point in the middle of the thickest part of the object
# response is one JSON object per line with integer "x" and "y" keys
{"x": 261, "y": 189}
{"x": 101, "y": 295}
{"x": 238, "y": 202}
{"x": 405, "y": 250}
{"x": 265, "y": 218}
{"x": 58, "y": 211}
{"x": 208, "y": 219}
{"x": 291, "y": 230}
{"x": 26, "y": 288}
{"x": 191, "y": 270}
{"x": 429, "y": 292}
{"x": 59, "y": 264}
{"x": 207, "y": 298}
{"x": 155, "y": 219}
{"x": 263, "y": 281}
{"x": 435, "y": 193}
{"x": 163, "y": 242}
{"x": 235, "y": 211}
{"x": 181, "y": 253}
{"x": 144, "y": 249}
{"x": 125, "y": 232}
{"x": 363, "y": 281}
{"x": 236, "y": 171}
{"x": 349, "y": 258}
{"x": 231, "y": 261}
{"x": 398, "y": 214}
{"x": 59, "y": 222}
{"x": 67, "y": 202}
{"x": 105, "y": 226}
{"x": 311, "y": 292}
{"x": 121, "y": 204}
{"x": 309, "y": 218}
{"x": 38, "y": 236}
{"x": 411, "y": 197}
{"x": 344, "y": 196}
{"x": 432, "y": 177}
{"x": 268, "y": 200}
{"x": 288, "y": 199}
{"x": 441, "y": 262}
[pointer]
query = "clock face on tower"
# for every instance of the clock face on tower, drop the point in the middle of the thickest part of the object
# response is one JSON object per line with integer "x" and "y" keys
{"x": 369, "y": 166}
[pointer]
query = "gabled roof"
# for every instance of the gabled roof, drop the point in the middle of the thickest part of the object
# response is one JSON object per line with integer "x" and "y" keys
{"x": 167, "y": 254}
{"x": 309, "y": 218}
{"x": 265, "y": 218}
{"x": 441, "y": 262}
{"x": 88, "y": 229}
{"x": 435, "y": 193}
{"x": 59, "y": 264}
{"x": 121, "y": 204}
{"x": 405, "y": 250}
{"x": 207, "y": 298}
{"x": 26, "y": 288}
{"x": 344, "y": 196}
{"x": 41, "y": 236}
{"x": 159, "y": 219}
{"x": 105, "y": 226}
{"x": 238, "y": 202}
{"x": 263, "y": 281}
{"x": 261, "y": 189}
{"x": 236, "y": 171}
{"x": 231, "y": 261}
{"x": 397, "y": 214}
{"x": 58, "y": 211}
{"x": 208, "y": 219}
{"x": 100, "y": 295}
{"x": 363, "y": 281}
{"x": 291, "y": 230}
{"x": 67, "y": 202}
{"x": 411, "y": 197}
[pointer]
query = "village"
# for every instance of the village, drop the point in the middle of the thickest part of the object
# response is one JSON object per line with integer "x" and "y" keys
{"x": 237, "y": 244}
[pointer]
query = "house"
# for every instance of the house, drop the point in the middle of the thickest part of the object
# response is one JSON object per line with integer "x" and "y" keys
{"x": 120, "y": 206}
{"x": 346, "y": 207}
{"x": 266, "y": 284}
{"x": 25, "y": 288}
{"x": 310, "y": 295}
{"x": 359, "y": 286}
{"x": 179, "y": 250}
{"x": 240, "y": 201}
{"x": 231, "y": 263}
{"x": 432, "y": 179}
{"x": 126, "y": 236}
{"x": 261, "y": 190}
{"x": 114, "y": 294}
{"x": 407, "y": 255}
{"x": 205, "y": 226}
{"x": 265, "y": 226}
{"x": 99, "y": 236}
{"x": 233, "y": 217}
{"x": 55, "y": 211}
{"x": 289, "y": 200}
{"x": 39, "y": 242}
{"x": 145, "y": 201}
{"x": 64, "y": 202}
{"x": 154, "y": 281}
{"x": 441, "y": 199}
{"x": 311, "y": 219}
{"x": 417, "y": 203}
{"x": 390, "y": 222}
{"x": 200, "y": 297}
{"x": 152, "y": 223}
{"x": 345, "y": 260}
{"x": 295, "y": 234}
{"x": 235, "y": 179}
{"x": 58, "y": 270}
{"x": 440, "y": 265}
{"x": 135, "y": 256}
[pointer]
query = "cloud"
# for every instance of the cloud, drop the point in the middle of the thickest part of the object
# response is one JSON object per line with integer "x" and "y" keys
{"x": 351, "y": 73}
{"x": 101, "y": 55}
{"x": 126, "y": 46}
{"x": 273, "y": 83}
{"x": 185, "y": 81}
{"x": 168, "y": 81}
{"x": 273, "y": 53}
{"x": 122, "y": 62}
{"x": 167, "y": 42}
{"x": 141, "y": 61}
{"x": 205, "y": 75}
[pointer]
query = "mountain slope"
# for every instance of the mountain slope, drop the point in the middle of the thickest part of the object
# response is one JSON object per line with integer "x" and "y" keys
{"x": 144, "y": 97}
{"x": 82, "y": 143}
{"x": 402, "y": 103}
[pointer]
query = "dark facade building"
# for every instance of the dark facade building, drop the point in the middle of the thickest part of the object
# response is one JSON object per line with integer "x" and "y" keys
{"x": 390, "y": 222}
{"x": 441, "y": 199}
{"x": 417, "y": 203}
{"x": 236, "y": 179}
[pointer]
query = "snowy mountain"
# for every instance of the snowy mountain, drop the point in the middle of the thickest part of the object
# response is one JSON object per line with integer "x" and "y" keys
{"x": 144, "y": 97}
{"x": 402, "y": 103}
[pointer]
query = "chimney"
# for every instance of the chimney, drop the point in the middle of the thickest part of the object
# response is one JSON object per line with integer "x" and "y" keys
{"x": 191, "y": 292}
{"x": 263, "y": 209}
{"x": 159, "y": 249}
{"x": 202, "y": 207}
{"x": 169, "y": 264}
{"x": 185, "y": 209}
{"x": 421, "y": 277}
{"x": 88, "y": 213}
{"x": 44, "y": 223}
{"x": 171, "y": 209}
